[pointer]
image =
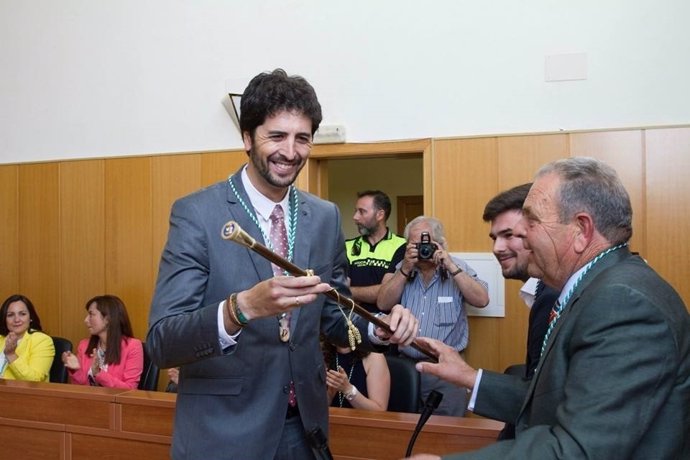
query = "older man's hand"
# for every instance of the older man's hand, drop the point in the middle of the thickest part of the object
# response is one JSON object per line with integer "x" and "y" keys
{"x": 402, "y": 323}
{"x": 450, "y": 367}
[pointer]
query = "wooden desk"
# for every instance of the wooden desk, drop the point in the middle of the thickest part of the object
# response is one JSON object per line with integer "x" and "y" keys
{"x": 147, "y": 412}
{"x": 74, "y": 422}
{"x": 358, "y": 434}
{"x": 141, "y": 429}
{"x": 36, "y": 417}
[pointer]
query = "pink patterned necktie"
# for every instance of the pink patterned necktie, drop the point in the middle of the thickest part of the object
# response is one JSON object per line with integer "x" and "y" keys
{"x": 279, "y": 242}
{"x": 278, "y": 236}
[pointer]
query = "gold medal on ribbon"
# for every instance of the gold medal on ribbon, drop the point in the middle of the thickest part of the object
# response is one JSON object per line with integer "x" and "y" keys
{"x": 284, "y": 328}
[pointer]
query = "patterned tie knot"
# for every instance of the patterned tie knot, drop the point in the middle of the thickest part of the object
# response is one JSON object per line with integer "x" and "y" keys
{"x": 277, "y": 214}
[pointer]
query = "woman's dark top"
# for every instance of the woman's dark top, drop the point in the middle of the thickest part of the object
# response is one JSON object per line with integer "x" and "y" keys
{"x": 358, "y": 377}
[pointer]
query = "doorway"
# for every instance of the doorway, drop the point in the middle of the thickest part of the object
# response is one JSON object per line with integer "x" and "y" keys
{"x": 336, "y": 172}
{"x": 394, "y": 176}
{"x": 409, "y": 207}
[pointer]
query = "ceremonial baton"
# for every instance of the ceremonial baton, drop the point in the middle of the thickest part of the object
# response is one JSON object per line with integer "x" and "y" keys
{"x": 233, "y": 232}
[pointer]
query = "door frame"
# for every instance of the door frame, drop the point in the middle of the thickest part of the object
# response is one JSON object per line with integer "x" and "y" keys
{"x": 314, "y": 175}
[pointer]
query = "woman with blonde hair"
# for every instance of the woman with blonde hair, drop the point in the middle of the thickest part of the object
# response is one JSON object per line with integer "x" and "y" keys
{"x": 111, "y": 356}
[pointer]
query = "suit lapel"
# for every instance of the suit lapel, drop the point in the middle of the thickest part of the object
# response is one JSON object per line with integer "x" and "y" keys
{"x": 262, "y": 266}
{"x": 606, "y": 262}
{"x": 603, "y": 264}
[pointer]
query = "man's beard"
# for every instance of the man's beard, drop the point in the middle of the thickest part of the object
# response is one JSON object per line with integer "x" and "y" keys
{"x": 517, "y": 272}
{"x": 365, "y": 230}
{"x": 261, "y": 165}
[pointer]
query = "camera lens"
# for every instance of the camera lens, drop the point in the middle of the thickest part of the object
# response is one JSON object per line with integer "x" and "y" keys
{"x": 425, "y": 251}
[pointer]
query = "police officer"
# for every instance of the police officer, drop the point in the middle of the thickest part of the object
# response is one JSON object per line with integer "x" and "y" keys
{"x": 374, "y": 250}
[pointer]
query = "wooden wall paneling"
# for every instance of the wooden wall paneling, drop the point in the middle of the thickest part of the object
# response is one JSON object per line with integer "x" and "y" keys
{"x": 128, "y": 236}
{"x": 9, "y": 231}
{"x": 668, "y": 205}
{"x": 172, "y": 177}
{"x": 82, "y": 242}
{"x": 624, "y": 151}
{"x": 218, "y": 166}
{"x": 39, "y": 228}
{"x": 463, "y": 179}
{"x": 519, "y": 158}
{"x": 513, "y": 328}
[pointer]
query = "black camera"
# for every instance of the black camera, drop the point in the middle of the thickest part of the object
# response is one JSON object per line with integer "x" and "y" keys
{"x": 425, "y": 248}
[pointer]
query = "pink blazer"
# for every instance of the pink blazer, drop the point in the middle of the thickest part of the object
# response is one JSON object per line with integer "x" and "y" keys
{"x": 125, "y": 374}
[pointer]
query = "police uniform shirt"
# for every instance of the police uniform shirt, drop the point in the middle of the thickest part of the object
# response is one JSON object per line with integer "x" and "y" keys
{"x": 368, "y": 264}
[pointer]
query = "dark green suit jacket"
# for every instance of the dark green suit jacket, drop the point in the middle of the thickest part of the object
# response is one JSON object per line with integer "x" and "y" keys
{"x": 614, "y": 380}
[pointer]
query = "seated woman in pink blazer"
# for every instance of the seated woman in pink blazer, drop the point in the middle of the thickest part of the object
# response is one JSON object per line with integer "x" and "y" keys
{"x": 111, "y": 357}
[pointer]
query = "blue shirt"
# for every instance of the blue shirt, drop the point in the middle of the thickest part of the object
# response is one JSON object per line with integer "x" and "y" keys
{"x": 439, "y": 308}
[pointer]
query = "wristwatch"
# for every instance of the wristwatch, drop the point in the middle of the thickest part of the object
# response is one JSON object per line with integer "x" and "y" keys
{"x": 351, "y": 395}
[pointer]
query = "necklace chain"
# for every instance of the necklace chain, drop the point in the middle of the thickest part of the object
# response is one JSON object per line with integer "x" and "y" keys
{"x": 558, "y": 309}
{"x": 349, "y": 377}
{"x": 292, "y": 204}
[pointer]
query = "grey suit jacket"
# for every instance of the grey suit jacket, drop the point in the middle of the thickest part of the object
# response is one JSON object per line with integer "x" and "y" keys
{"x": 232, "y": 404}
{"x": 614, "y": 381}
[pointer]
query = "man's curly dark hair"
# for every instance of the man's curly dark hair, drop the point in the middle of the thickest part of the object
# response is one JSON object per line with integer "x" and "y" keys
{"x": 270, "y": 93}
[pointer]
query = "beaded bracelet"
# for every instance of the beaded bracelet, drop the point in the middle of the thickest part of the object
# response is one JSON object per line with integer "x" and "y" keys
{"x": 240, "y": 316}
{"x": 231, "y": 315}
{"x": 234, "y": 311}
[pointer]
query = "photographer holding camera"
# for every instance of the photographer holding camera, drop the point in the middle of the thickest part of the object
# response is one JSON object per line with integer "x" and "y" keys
{"x": 434, "y": 286}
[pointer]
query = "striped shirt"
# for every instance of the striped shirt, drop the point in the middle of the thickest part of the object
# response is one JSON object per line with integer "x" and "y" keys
{"x": 439, "y": 308}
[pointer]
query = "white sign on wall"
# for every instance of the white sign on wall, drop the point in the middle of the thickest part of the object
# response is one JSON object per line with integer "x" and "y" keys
{"x": 489, "y": 270}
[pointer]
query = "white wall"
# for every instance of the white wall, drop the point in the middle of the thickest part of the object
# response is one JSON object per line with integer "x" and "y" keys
{"x": 85, "y": 78}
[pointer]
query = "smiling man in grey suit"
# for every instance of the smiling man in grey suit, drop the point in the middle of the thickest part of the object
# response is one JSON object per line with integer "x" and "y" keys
{"x": 246, "y": 337}
{"x": 613, "y": 380}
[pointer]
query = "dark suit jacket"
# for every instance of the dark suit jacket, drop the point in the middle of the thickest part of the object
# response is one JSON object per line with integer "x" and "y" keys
{"x": 233, "y": 405}
{"x": 614, "y": 382}
{"x": 544, "y": 301}
{"x": 538, "y": 323}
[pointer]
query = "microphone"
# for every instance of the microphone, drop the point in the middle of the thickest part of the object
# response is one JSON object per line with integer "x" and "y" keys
{"x": 319, "y": 444}
{"x": 431, "y": 403}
